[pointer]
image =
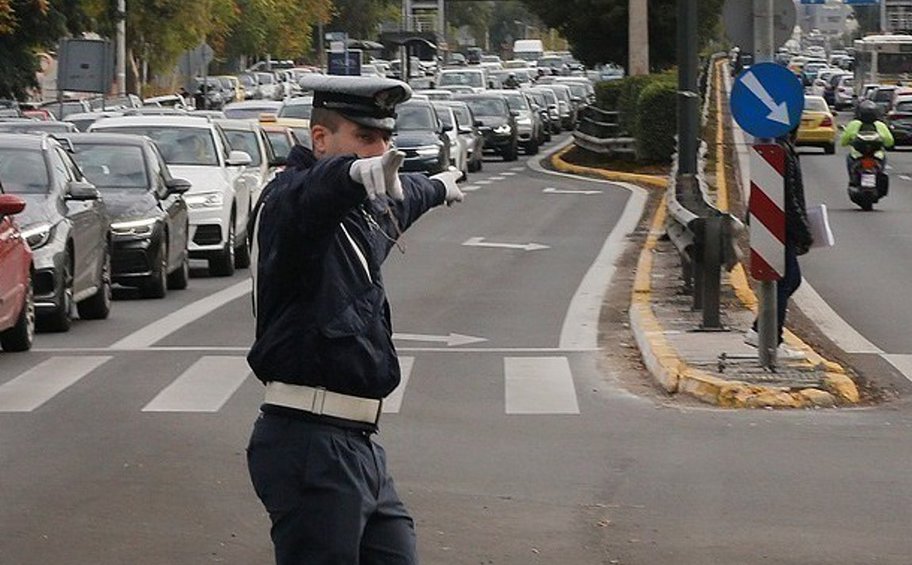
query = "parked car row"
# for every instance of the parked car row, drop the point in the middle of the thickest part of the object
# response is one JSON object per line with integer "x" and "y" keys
{"x": 129, "y": 203}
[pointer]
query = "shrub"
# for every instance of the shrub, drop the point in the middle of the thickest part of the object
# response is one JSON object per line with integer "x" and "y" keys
{"x": 656, "y": 122}
{"x": 607, "y": 93}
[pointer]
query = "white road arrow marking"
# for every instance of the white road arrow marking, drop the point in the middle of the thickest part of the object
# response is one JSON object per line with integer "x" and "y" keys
{"x": 450, "y": 340}
{"x": 480, "y": 242}
{"x": 551, "y": 190}
{"x": 778, "y": 112}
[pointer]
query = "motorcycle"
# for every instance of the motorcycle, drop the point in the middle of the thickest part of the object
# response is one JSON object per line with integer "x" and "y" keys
{"x": 868, "y": 179}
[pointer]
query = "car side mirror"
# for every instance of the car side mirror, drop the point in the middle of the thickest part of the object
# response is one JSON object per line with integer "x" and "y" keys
{"x": 10, "y": 205}
{"x": 445, "y": 128}
{"x": 238, "y": 159}
{"x": 278, "y": 162}
{"x": 81, "y": 191}
{"x": 177, "y": 186}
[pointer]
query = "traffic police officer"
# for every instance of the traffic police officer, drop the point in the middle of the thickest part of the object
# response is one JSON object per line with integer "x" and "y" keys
{"x": 324, "y": 345}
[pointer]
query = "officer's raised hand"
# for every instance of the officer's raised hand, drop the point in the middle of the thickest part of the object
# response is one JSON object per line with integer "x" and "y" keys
{"x": 449, "y": 178}
{"x": 379, "y": 175}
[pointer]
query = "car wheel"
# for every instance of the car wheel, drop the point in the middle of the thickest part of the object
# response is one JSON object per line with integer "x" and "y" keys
{"x": 222, "y": 265}
{"x": 98, "y": 306}
{"x": 531, "y": 148}
{"x": 157, "y": 285}
{"x": 180, "y": 278}
{"x": 21, "y": 336}
{"x": 830, "y": 149}
{"x": 61, "y": 317}
{"x": 511, "y": 153}
{"x": 242, "y": 253}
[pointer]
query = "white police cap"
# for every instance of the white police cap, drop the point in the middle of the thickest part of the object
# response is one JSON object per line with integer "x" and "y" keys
{"x": 369, "y": 101}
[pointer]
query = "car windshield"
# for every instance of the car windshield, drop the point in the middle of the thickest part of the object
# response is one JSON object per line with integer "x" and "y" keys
{"x": 516, "y": 102}
{"x": 445, "y": 116}
{"x": 246, "y": 141}
{"x": 561, "y": 94}
{"x": 247, "y": 80}
{"x": 247, "y": 112}
{"x": 578, "y": 90}
{"x": 300, "y": 111}
{"x": 414, "y": 117}
{"x": 488, "y": 106}
{"x": 178, "y": 145}
{"x": 462, "y": 116}
{"x": 112, "y": 166}
{"x": 815, "y": 105}
{"x": 461, "y": 79}
{"x": 280, "y": 144}
{"x": 23, "y": 171}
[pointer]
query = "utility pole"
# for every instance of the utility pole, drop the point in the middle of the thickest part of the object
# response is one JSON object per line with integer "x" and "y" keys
{"x": 883, "y": 16}
{"x": 638, "y": 46}
{"x": 688, "y": 99}
{"x": 768, "y": 313}
{"x": 121, "y": 72}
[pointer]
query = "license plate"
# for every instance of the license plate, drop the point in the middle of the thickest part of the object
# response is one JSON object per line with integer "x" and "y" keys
{"x": 868, "y": 181}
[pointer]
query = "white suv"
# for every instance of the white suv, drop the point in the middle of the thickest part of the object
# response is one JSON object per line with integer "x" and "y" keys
{"x": 219, "y": 201}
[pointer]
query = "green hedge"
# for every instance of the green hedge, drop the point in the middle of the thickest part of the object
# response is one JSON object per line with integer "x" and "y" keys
{"x": 656, "y": 122}
{"x": 650, "y": 119}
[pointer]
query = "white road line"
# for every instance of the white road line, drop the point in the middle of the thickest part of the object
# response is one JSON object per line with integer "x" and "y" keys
{"x": 539, "y": 385}
{"x": 496, "y": 178}
{"x": 509, "y": 174}
{"x": 471, "y": 188}
{"x": 483, "y": 182}
{"x": 905, "y": 177}
{"x": 205, "y": 387}
{"x": 171, "y": 323}
{"x": 244, "y": 350}
{"x": 44, "y": 381}
{"x": 393, "y": 402}
{"x": 517, "y": 169}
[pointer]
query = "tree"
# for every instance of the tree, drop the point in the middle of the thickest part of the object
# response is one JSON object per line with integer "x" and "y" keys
{"x": 281, "y": 28}
{"x": 597, "y": 29}
{"x": 361, "y": 18}
{"x": 26, "y": 27}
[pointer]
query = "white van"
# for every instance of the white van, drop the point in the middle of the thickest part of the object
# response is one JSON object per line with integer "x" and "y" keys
{"x": 528, "y": 49}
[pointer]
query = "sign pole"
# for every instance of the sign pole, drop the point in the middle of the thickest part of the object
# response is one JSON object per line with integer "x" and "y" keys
{"x": 767, "y": 322}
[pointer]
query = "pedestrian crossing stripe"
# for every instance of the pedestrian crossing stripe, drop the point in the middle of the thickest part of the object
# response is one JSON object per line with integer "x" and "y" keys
{"x": 532, "y": 385}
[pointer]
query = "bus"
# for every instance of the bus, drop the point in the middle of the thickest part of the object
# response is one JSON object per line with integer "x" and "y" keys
{"x": 883, "y": 59}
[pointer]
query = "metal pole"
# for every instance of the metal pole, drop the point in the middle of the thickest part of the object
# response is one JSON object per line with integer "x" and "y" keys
{"x": 121, "y": 71}
{"x": 712, "y": 271}
{"x": 767, "y": 315}
{"x": 883, "y": 16}
{"x": 688, "y": 100}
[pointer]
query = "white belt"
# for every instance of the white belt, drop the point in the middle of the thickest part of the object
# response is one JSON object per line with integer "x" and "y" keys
{"x": 323, "y": 402}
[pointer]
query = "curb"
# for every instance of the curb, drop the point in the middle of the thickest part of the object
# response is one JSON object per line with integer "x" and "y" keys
{"x": 662, "y": 360}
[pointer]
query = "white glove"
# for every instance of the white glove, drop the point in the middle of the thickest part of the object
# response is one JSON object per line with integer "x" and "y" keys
{"x": 379, "y": 175}
{"x": 448, "y": 178}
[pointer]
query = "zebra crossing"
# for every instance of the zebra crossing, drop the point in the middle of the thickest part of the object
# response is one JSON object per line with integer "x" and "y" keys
{"x": 531, "y": 385}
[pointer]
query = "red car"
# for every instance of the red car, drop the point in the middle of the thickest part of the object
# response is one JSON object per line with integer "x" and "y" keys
{"x": 17, "y": 308}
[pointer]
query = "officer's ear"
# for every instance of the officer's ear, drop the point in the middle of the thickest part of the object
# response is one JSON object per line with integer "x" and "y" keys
{"x": 319, "y": 137}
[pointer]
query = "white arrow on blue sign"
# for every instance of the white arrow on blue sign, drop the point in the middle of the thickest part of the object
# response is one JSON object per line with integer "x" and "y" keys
{"x": 767, "y": 100}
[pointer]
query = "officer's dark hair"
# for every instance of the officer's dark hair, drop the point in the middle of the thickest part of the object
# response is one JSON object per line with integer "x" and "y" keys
{"x": 330, "y": 119}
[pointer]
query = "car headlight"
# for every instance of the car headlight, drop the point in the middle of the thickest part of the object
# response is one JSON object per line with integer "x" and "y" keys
{"x": 428, "y": 150}
{"x": 38, "y": 235}
{"x": 503, "y": 129}
{"x": 134, "y": 227}
{"x": 205, "y": 200}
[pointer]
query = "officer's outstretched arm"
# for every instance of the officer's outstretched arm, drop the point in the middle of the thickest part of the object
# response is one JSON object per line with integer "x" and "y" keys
{"x": 421, "y": 194}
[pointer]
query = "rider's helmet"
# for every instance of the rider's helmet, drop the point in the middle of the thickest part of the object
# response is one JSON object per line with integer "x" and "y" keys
{"x": 868, "y": 112}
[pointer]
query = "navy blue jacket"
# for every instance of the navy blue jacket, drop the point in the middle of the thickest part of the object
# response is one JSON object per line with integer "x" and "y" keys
{"x": 322, "y": 314}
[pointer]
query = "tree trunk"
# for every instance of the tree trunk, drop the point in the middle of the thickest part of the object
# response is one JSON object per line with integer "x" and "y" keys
{"x": 638, "y": 46}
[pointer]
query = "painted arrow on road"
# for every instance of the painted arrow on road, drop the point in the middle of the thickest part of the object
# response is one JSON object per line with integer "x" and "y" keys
{"x": 778, "y": 112}
{"x": 480, "y": 242}
{"x": 551, "y": 190}
{"x": 450, "y": 340}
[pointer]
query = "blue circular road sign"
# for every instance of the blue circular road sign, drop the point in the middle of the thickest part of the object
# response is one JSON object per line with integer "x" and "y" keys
{"x": 767, "y": 100}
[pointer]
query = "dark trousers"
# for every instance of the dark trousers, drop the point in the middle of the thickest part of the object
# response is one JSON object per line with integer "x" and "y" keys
{"x": 328, "y": 494}
{"x": 786, "y": 287}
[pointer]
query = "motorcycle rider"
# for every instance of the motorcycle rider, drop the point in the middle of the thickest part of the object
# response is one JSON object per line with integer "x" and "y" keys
{"x": 866, "y": 121}
{"x": 511, "y": 81}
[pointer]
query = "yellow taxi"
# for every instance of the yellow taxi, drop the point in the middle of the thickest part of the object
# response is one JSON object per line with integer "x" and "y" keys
{"x": 818, "y": 128}
{"x": 293, "y": 114}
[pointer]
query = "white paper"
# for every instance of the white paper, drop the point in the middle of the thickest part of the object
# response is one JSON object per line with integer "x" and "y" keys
{"x": 820, "y": 226}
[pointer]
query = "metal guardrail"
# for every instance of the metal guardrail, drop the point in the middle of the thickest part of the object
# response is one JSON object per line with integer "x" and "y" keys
{"x": 705, "y": 237}
{"x": 599, "y": 131}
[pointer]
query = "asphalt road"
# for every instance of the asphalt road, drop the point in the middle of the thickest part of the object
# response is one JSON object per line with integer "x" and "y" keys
{"x": 514, "y": 445}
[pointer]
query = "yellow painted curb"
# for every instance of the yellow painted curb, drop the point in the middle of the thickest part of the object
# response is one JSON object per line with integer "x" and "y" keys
{"x": 565, "y": 167}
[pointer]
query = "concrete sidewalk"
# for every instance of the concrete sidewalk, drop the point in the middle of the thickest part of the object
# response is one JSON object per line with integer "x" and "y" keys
{"x": 716, "y": 367}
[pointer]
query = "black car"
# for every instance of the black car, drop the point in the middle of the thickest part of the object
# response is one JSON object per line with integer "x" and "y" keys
{"x": 422, "y": 137}
{"x": 149, "y": 218}
{"x": 498, "y": 123}
{"x": 65, "y": 223}
{"x": 469, "y": 129}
